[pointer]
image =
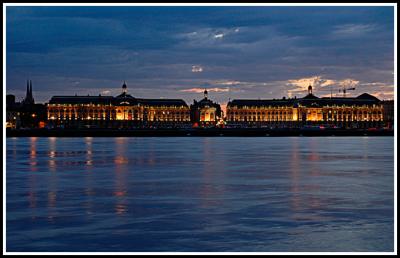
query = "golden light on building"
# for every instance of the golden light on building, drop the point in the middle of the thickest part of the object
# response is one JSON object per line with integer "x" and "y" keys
{"x": 310, "y": 109}
{"x": 125, "y": 109}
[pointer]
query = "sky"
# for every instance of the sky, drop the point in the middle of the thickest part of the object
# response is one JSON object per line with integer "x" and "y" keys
{"x": 176, "y": 52}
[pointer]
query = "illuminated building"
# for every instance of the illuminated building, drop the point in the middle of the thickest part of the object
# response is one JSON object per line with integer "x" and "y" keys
{"x": 205, "y": 111}
{"x": 126, "y": 111}
{"x": 362, "y": 111}
{"x": 122, "y": 110}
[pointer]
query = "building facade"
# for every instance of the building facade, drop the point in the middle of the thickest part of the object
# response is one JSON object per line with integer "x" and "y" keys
{"x": 360, "y": 112}
{"x": 205, "y": 112}
{"x": 123, "y": 110}
{"x": 126, "y": 111}
{"x": 388, "y": 113}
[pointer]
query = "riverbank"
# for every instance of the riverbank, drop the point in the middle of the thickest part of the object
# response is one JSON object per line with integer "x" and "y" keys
{"x": 195, "y": 132}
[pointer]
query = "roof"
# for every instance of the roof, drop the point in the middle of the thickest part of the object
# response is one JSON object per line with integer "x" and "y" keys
{"x": 308, "y": 101}
{"x": 367, "y": 96}
{"x": 125, "y": 99}
{"x": 162, "y": 102}
{"x": 81, "y": 100}
{"x": 261, "y": 102}
{"x": 205, "y": 102}
{"x": 310, "y": 96}
{"x": 122, "y": 99}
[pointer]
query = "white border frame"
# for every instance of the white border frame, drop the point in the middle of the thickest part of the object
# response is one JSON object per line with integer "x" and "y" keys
{"x": 198, "y": 4}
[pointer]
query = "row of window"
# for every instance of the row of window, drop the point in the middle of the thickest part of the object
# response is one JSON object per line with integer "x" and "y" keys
{"x": 274, "y": 113}
{"x": 324, "y": 118}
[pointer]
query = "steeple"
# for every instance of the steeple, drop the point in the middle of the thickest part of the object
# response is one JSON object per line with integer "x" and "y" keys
{"x": 29, "y": 96}
{"x": 310, "y": 89}
{"x": 30, "y": 90}
{"x": 205, "y": 93}
{"x": 27, "y": 90}
{"x": 124, "y": 88}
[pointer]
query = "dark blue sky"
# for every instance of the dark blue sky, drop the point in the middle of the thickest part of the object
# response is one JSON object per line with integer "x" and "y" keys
{"x": 175, "y": 52}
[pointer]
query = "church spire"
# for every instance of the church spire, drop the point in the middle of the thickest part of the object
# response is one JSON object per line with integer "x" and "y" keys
{"x": 30, "y": 90}
{"x": 29, "y": 96}
{"x": 124, "y": 88}
{"x": 27, "y": 90}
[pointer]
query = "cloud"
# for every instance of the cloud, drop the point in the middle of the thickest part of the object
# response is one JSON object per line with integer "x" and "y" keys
{"x": 353, "y": 30}
{"x": 105, "y": 92}
{"x": 206, "y": 37}
{"x": 256, "y": 52}
{"x": 323, "y": 87}
{"x": 319, "y": 84}
{"x": 228, "y": 82}
{"x": 201, "y": 90}
{"x": 197, "y": 69}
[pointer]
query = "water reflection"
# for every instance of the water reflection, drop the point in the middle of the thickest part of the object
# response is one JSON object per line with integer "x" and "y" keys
{"x": 52, "y": 154}
{"x": 305, "y": 197}
{"x": 210, "y": 191}
{"x": 32, "y": 155}
{"x": 32, "y": 180}
{"x": 121, "y": 171}
{"x": 294, "y": 175}
{"x": 89, "y": 151}
{"x": 208, "y": 194}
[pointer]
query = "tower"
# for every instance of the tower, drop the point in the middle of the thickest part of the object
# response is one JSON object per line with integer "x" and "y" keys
{"x": 310, "y": 89}
{"x": 29, "y": 96}
{"x": 27, "y": 90}
{"x": 205, "y": 93}
{"x": 124, "y": 88}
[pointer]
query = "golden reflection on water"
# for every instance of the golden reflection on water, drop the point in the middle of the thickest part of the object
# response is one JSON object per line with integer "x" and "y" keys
{"x": 210, "y": 194}
{"x": 121, "y": 169}
{"x": 301, "y": 203}
{"x": 32, "y": 195}
{"x": 294, "y": 175}
{"x": 33, "y": 155}
{"x": 89, "y": 151}
{"x": 52, "y": 154}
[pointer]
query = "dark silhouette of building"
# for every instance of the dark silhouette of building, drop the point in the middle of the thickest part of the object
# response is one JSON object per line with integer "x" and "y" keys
{"x": 388, "y": 113}
{"x": 10, "y": 101}
{"x": 29, "y": 100}
{"x": 25, "y": 114}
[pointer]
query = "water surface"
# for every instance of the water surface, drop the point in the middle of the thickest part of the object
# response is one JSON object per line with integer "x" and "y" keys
{"x": 190, "y": 194}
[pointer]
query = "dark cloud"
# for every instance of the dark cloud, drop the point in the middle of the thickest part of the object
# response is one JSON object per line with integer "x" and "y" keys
{"x": 91, "y": 50}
